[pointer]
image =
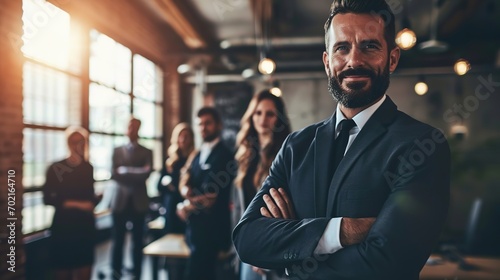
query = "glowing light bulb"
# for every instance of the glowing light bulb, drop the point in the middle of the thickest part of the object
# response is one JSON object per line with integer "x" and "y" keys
{"x": 421, "y": 88}
{"x": 461, "y": 67}
{"x": 276, "y": 91}
{"x": 267, "y": 66}
{"x": 406, "y": 39}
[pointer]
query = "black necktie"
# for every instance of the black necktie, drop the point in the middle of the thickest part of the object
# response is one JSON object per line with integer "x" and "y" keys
{"x": 341, "y": 141}
{"x": 337, "y": 153}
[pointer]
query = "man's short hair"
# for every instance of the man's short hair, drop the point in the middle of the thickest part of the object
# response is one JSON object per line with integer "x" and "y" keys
{"x": 210, "y": 111}
{"x": 371, "y": 7}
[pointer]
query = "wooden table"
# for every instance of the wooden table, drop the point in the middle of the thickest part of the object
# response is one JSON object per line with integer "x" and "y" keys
{"x": 487, "y": 268}
{"x": 172, "y": 247}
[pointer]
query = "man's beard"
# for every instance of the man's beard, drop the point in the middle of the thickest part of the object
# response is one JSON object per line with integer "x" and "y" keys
{"x": 355, "y": 96}
{"x": 211, "y": 137}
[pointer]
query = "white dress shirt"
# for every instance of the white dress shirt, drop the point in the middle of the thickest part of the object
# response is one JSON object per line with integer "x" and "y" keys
{"x": 206, "y": 148}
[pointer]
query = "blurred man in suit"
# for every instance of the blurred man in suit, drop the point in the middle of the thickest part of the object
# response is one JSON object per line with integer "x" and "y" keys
{"x": 205, "y": 185}
{"x": 364, "y": 194}
{"x": 132, "y": 164}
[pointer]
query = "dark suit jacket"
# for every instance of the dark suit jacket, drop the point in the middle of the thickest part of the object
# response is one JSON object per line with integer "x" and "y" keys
{"x": 212, "y": 226}
{"x": 397, "y": 170}
{"x": 128, "y": 185}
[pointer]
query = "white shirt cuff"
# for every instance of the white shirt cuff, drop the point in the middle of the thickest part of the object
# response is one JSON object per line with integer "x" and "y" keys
{"x": 329, "y": 242}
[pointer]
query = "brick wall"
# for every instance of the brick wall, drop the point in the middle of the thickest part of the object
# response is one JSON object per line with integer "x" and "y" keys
{"x": 173, "y": 98}
{"x": 11, "y": 137}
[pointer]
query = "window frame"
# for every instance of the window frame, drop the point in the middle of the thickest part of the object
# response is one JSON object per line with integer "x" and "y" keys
{"x": 83, "y": 75}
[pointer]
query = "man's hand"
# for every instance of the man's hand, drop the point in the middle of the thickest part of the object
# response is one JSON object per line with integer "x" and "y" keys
{"x": 259, "y": 270}
{"x": 133, "y": 169}
{"x": 354, "y": 230}
{"x": 203, "y": 201}
{"x": 184, "y": 209}
{"x": 185, "y": 191}
{"x": 278, "y": 205}
{"x": 82, "y": 205}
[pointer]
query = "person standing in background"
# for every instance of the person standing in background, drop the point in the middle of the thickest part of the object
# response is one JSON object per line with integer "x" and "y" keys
{"x": 132, "y": 165}
{"x": 181, "y": 146}
{"x": 206, "y": 187}
{"x": 264, "y": 127}
{"x": 69, "y": 187}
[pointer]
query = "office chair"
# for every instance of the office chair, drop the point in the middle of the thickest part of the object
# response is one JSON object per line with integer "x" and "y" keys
{"x": 482, "y": 235}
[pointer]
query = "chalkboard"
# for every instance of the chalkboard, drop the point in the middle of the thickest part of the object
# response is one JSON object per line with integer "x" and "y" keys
{"x": 231, "y": 100}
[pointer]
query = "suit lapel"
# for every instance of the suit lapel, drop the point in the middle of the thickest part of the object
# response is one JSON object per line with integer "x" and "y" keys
{"x": 128, "y": 156}
{"x": 194, "y": 170}
{"x": 322, "y": 151}
{"x": 371, "y": 132}
{"x": 213, "y": 153}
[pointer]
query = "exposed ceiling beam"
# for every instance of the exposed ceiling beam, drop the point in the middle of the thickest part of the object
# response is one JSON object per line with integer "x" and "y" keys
{"x": 459, "y": 16}
{"x": 320, "y": 75}
{"x": 274, "y": 42}
{"x": 180, "y": 23}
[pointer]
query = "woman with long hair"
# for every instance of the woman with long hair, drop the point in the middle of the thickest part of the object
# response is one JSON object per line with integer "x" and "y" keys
{"x": 181, "y": 146}
{"x": 69, "y": 187}
{"x": 264, "y": 127}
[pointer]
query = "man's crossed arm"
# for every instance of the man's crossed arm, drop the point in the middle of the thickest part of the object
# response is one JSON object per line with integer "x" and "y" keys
{"x": 278, "y": 206}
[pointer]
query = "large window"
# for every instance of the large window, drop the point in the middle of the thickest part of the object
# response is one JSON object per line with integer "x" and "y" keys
{"x": 121, "y": 83}
{"x": 50, "y": 102}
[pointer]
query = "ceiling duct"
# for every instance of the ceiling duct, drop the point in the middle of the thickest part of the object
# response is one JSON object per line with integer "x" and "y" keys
{"x": 433, "y": 45}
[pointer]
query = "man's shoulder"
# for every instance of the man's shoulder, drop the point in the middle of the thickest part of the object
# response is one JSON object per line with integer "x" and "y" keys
{"x": 306, "y": 134}
{"x": 223, "y": 149}
{"x": 141, "y": 147}
{"x": 406, "y": 129}
{"x": 398, "y": 122}
{"x": 117, "y": 150}
{"x": 411, "y": 125}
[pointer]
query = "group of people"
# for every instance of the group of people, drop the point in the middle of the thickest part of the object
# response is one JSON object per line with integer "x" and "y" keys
{"x": 196, "y": 185}
{"x": 361, "y": 195}
{"x": 195, "y": 188}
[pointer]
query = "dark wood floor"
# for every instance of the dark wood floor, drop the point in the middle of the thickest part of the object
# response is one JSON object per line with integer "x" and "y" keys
{"x": 102, "y": 265}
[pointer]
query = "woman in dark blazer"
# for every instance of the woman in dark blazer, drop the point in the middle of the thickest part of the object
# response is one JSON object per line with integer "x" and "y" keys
{"x": 181, "y": 146}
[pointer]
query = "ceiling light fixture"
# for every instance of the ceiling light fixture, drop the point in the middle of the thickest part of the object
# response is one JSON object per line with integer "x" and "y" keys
{"x": 248, "y": 73}
{"x": 275, "y": 90}
{"x": 267, "y": 66}
{"x": 183, "y": 68}
{"x": 406, "y": 39}
{"x": 459, "y": 131}
{"x": 226, "y": 44}
{"x": 461, "y": 67}
{"x": 421, "y": 87}
{"x": 433, "y": 45}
